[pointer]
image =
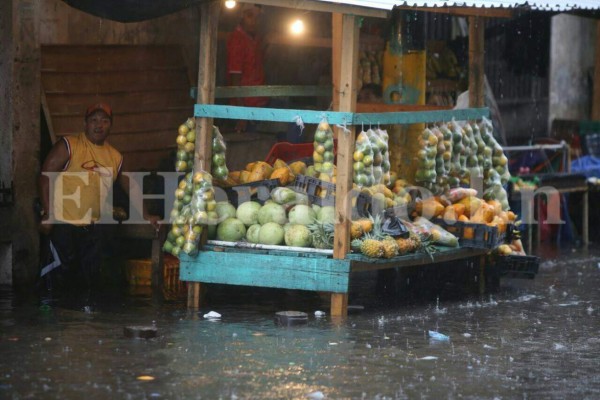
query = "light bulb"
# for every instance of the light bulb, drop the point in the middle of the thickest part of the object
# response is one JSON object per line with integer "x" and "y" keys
{"x": 230, "y": 4}
{"x": 297, "y": 27}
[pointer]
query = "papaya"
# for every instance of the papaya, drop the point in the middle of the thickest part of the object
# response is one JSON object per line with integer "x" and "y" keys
{"x": 262, "y": 170}
{"x": 279, "y": 163}
{"x": 244, "y": 176}
{"x": 483, "y": 215}
{"x": 298, "y": 168}
{"x": 471, "y": 204}
{"x": 283, "y": 174}
{"x": 429, "y": 208}
{"x": 235, "y": 175}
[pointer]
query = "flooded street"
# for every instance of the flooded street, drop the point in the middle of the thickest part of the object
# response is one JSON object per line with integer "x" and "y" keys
{"x": 532, "y": 339}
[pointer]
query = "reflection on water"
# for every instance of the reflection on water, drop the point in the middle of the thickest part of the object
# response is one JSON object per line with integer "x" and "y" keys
{"x": 533, "y": 339}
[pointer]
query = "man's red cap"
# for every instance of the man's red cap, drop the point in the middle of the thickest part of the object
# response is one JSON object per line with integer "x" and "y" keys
{"x": 99, "y": 106}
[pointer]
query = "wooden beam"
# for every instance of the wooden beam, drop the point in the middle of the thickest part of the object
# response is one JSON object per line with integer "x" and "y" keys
{"x": 476, "y": 60}
{"x": 322, "y": 6}
{"x": 596, "y": 96}
{"x": 339, "y": 304}
{"x": 469, "y": 11}
{"x": 347, "y": 102}
{"x": 336, "y": 66}
{"x": 209, "y": 23}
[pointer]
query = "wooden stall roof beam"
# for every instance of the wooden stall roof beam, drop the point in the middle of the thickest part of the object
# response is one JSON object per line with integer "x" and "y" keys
{"x": 468, "y": 11}
{"x": 347, "y": 102}
{"x": 313, "y": 5}
{"x": 209, "y": 23}
{"x": 476, "y": 59}
{"x": 596, "y": 96}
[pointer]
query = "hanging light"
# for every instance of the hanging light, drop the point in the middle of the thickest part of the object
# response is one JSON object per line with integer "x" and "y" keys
{"x": 230, "y": 4}
{"x": 297, "y": 27}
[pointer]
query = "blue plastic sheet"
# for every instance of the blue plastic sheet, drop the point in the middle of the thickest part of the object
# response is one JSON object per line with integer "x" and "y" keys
{"x": 587, "y": 165}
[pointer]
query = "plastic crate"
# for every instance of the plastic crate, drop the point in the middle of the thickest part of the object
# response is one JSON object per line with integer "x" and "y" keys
{"x": 515, "y": 266}
{"x": 290, "y": 152}
{"x": 319, "y": 192}
{"x": 473, "y": 235}
{"x": 259, "y": 191}
{"x": 138, "y": 273}
{"x": 173, "y": 288}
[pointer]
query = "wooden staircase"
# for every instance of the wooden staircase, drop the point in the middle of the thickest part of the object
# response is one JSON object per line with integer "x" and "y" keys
{"x": 146, "y": 86}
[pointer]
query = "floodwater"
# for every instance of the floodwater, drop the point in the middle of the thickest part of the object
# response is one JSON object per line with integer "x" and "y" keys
{"x": 531, "y": 339}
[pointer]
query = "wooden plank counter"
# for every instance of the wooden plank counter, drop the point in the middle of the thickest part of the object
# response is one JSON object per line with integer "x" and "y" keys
{"x": 282, "y": 268}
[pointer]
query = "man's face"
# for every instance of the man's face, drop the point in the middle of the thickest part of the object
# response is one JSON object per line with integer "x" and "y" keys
{"x": 97, "y": 127}
{"x": 250, "y": 20}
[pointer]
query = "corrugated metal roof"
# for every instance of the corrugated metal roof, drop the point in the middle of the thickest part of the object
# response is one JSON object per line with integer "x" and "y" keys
{"x": 554, "y": 5}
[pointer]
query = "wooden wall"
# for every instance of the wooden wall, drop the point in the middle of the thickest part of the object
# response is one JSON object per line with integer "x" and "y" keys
{"x": 62, "y": 24}
{"x": 144, "y": 70}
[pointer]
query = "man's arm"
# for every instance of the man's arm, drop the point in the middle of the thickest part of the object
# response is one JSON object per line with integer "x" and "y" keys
{"x": 55, "y": 162}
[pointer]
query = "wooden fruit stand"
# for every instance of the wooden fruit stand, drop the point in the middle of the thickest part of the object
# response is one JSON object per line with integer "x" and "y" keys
{"x": 311, "y": 269}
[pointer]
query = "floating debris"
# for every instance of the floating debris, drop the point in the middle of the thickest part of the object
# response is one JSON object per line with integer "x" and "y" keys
{"x": 438, "y": 336}
{"x": 212, "y": 315}
{"x": 140, "y": 332}
{"x": 427, "y": 358}
{"x": 290, "y": 318}
{"x": 145, "y": 378}
{"x": 316, "y": 395}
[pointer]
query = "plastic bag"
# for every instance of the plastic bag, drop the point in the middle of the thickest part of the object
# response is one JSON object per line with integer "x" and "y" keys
{"x": 393, "y": 226}
{"x": 323, "y": 154}
{"x": 377, "y": 145}
{"x": 197, "y": 209}
{"x": 287, "y": 196}
{"x": 363, "y": 161}
{"x": 385, "y": 152}
{"x": 186, "y": 139}
{"x": 459, "y": 156}
{"x": 439, "y": 235}
{"x": 219, "y": 163}
{"x": 426, "y": 175}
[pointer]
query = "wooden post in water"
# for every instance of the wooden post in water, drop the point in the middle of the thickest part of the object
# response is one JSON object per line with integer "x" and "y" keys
{"x": 209, "y": 22}
{"x": 476, "y": 57}
{"x": 347, "y": 65}
{"x": 476, "y": 92}
{"x": 596, "y": 95}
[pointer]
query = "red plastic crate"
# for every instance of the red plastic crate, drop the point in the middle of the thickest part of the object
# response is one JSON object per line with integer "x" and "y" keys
{"x": 289, "y": 152}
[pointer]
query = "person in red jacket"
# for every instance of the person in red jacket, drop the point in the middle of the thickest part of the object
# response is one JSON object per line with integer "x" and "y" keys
{"x": 245, "y": 59}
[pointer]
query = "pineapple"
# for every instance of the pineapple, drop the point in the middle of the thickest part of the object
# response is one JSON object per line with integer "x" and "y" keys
{"x": 390, "y": 247}
{"x": 409, "y": 245}
{"x": 322, "y": 234}
{"x": 356, "y": 230}
{"x": 355, "y": 245}
{"x": 372, "y": 248}
{"x": 405, "y": 246}
{"x": 366, "y": 224}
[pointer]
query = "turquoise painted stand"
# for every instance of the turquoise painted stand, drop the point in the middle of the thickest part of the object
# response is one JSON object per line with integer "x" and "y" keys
{"x": 296, "y": 270}
{"x": 299, "y": 270}
{"x": 336, "y": 117}
{"x": 264, "y": 269}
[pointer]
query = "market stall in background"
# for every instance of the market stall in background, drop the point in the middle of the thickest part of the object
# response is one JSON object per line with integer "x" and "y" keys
{"x": 384, "y": 184}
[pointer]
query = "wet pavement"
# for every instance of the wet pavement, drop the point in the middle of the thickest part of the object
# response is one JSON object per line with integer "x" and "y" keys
{"x": 531, "y": 339}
